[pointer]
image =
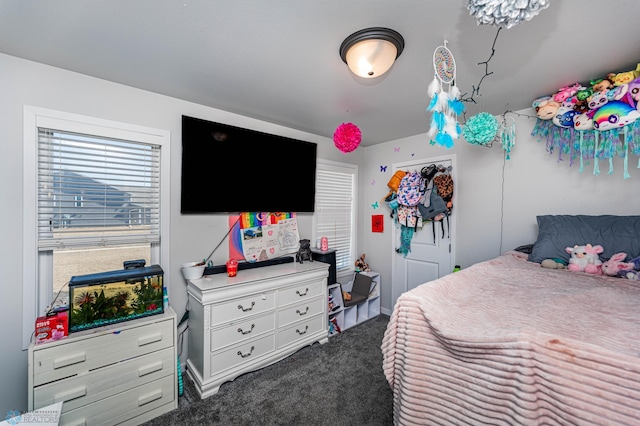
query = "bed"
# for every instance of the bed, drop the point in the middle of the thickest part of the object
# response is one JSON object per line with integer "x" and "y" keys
{"x": 508, "y": 342}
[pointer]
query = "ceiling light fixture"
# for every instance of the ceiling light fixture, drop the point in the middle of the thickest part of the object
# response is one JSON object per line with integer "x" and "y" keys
{"x": 369, "y": 53}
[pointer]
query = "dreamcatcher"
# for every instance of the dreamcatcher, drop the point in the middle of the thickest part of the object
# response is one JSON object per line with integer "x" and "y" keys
{"x": 508, "y": 135}
{"x": 445, "y": 105}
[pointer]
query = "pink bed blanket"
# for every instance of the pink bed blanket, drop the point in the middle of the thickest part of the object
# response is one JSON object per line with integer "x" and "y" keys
{"x": 507, "y": 342}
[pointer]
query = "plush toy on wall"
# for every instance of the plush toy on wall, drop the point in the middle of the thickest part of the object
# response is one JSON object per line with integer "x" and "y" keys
{"x": 585, "y": 259}
{"x": 613, "y": 115}
{"x": 566, "y": 92}
{"x": 565, "y": 117}
{"x": 625, "y": 77}
{"x": 583, "y": 122}
{"x": 546, "y": 109}
{"x": 602, "y": 84}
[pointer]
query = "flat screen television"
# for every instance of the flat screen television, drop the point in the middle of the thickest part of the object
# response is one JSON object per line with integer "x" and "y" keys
{"x": 228, "y": 169}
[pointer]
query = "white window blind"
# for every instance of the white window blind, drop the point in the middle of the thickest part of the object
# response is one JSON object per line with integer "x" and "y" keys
{"x": 95, "y": 191}
{"x": 335, "y": 211}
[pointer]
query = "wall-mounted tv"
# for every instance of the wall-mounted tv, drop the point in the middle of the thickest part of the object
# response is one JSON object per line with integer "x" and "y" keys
{"x": 228, "y": 169}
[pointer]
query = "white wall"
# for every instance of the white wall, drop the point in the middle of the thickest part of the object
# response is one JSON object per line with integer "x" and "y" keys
{"x": 534, "y": 183}
{"x": 496, "y": 200}
{"x": 192, "y": 236}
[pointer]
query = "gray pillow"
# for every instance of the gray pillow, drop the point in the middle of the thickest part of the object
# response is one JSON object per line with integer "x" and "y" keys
{"x": 615, "y": 234}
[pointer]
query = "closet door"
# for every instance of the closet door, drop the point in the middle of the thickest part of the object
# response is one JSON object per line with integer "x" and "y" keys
{"x": 431, "y": 257}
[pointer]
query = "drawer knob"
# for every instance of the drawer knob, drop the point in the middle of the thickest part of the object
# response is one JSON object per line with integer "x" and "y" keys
{"x": 247, "y": 309}
{"x": 246, "y": 355}
{"x": 306, "y": 290}
{"x": 248, "y": 331}
{"x": 302, "y": 332}
{"x": 302, "y": 313}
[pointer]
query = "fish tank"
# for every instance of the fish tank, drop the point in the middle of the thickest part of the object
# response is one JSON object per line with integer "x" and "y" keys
{"x": 105, "y": 298}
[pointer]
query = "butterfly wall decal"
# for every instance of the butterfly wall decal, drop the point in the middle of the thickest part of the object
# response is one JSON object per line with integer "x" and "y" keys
{"x": 383, "y": 169}
{"x": 374, "y": 205}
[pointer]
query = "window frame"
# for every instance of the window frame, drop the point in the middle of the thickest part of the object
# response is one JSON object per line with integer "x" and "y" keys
{"x": 345, "y": 168}
{"x": 37, "y": 281}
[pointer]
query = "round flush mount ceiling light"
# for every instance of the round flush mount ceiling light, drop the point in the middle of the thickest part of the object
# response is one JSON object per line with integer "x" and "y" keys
{"x": 369, "y": 53}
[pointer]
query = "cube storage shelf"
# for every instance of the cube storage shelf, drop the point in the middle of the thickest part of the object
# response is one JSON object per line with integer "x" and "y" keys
{"x": 335, "y": 309}
{"x": 347, "y": 317}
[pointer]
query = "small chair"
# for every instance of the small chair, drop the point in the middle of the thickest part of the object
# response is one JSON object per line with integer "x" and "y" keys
{"x": 359, "y": 290}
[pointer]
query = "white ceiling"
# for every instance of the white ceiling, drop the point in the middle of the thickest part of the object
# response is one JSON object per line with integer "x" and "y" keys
{"x": 278, "y": 60}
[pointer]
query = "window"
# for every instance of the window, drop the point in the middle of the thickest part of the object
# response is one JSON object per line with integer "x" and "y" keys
{"x": 93, "y": 199}
{"x": 335, "y": 209}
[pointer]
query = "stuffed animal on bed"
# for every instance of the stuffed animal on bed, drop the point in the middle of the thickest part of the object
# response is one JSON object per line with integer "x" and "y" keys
{"x": 585, "y": 259}
{"x": 632, "y": 275}
{"x": 615, "y": 267}
{"x": 555, "y": 263}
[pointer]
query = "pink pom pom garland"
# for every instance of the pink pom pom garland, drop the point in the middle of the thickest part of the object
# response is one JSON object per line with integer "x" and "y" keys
{"x": 347, "y": 137}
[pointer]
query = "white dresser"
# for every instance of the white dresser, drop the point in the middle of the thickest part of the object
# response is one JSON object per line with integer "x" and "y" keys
{"x": 260, "y": 316}
{"x": 118, "y": 374}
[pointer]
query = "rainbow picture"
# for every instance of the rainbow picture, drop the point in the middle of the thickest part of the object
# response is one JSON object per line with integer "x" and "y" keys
{"x": 248, "y": 220}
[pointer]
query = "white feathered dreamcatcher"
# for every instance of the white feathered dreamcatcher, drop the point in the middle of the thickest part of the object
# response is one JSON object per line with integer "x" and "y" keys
{"x": 445, "y": 106}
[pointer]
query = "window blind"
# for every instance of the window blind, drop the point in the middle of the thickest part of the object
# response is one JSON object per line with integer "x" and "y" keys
{"x": 334, "y": 213}
{"x": 95, "y": 191}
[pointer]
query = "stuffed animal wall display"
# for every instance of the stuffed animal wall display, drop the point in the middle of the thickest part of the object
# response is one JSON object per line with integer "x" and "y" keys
{"x": 585, "y": 259}
{"x": 304, "y": 252}
{"x": 593, "y": 96}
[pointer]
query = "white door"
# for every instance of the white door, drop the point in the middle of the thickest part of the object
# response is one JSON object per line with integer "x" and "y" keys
{"x": 430, "y": 257}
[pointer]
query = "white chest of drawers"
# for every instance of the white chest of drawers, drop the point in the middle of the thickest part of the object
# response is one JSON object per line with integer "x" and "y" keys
{"x": 241, "y": 324}
{"x": 119, "y": 374}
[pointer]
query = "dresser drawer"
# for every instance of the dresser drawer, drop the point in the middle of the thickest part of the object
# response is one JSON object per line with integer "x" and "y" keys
{"x": 300, "y": 330}
{"x": 301, "y": 311}
{"x": 242, "y": 307}
{"x": 242, "y": 353}
{"x": 242, "y": 330}
{"x": 91, "y": 352}
{"x": 118, "y": 408}
{"x": 85, "y": 389}
{"x": 301, "y": 291}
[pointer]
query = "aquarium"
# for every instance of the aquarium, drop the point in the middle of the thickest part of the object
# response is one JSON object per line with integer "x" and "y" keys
{"x": 110, "y": 297}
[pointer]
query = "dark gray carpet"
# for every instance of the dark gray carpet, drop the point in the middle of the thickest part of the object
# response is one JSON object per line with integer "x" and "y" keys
{"x": 338, "y": 383}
